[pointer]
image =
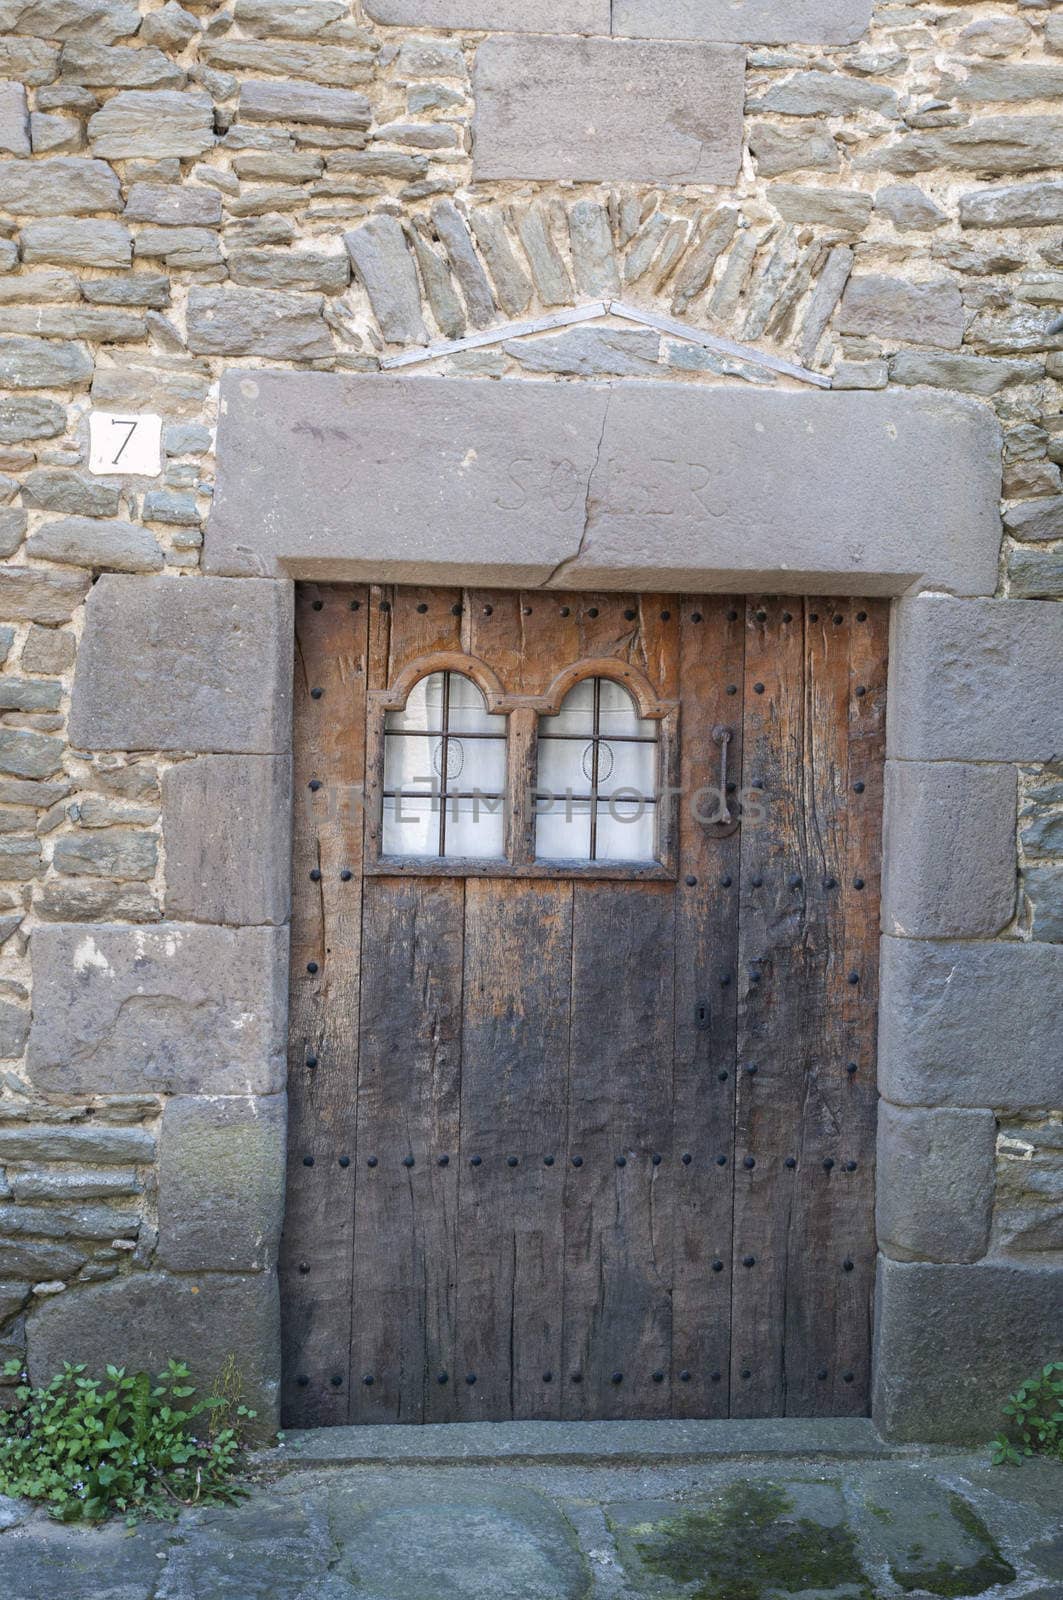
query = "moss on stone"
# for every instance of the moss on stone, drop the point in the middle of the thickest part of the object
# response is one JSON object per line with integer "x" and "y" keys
{"x": 947, "y": 1578}
{"x": 747, "y": 1543}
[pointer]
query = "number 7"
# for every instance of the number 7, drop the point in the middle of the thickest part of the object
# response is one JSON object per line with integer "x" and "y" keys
{"x": 122, "y": 422}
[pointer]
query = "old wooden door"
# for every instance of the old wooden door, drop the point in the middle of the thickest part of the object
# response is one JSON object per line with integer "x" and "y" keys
{"x": 582, "y": 1101}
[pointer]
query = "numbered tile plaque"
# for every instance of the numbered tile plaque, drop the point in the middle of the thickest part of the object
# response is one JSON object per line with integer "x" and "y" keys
{"x": 125, "y": 442}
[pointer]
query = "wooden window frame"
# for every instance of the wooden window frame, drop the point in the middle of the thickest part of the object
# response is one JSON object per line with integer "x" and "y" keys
{"x": 522, "y": 713}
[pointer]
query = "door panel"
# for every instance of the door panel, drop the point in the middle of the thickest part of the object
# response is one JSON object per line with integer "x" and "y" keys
{"x": 589, "y": 1142}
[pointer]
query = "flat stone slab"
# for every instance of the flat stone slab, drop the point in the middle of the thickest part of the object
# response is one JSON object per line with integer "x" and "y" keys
{"x": 745, "y": 21}
{"x": 608, "y": 109}
{"x": 482, "y": 1443}
{"x": 496, "y": 16}
{"x": 440, "y": 1539}
{"x": 637, "y": 485}
{"x": 928, "y": 1535}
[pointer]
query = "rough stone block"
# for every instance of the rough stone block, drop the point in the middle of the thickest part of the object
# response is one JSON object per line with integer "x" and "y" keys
{"x": 383, "y": 264}
{"x": 982, "y": 375}
{"x": 171, "y": 205}
{"x": 77, "y": 241}
{"x": 608, "y": 109}
{"x": 257, "y": 322}
{"x": 14, "y": 119}
{"x": 221, "y": 1183}
{"x": 894, "y": 310}
{"x": 43, "y": 364}
{"x": 950, "y": 856}
{"x": 67, "y": 185}
{"x": 171, "y": 1009}
{"x": 271, "y": 101}
{"x": 698, "y": 483}
{"x": 153, "y": 123}
{"x": 25, "y": 754}
{"x": 181, "y": 664}
{"x": 143, "y": 1320}
{"x": 104, "y": 546}
{"x": 107, "y": 853}
{"x": 495, "y": 16}
{"x": 970, "y": 1024}
{"x": 976, "y": 680}
{"x": 745, "y": 22}
{"x": 953, "y": 1341}
{"x": 1043, "y": 888}
{"x": 226, "y": 823}
{"x": 32, "y": 594}
{"x": 1023, "y": 205}
{"x": 30, "y": 416}
{"x": 934, "y": 1200}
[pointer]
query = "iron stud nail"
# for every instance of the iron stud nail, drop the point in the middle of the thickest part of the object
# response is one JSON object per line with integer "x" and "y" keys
{"x": 311, "y": 1061}
{"x": 422, "y": 608}
{"x": 312, "y": 967}
{"x": 695, "y": 616}
{"x": 749, "y": 1261}
{"x": 304, "y": 1267}
{"x": 752, "y": 1069}
{"x": 658, "y": 1377}
{"x": 859, "y": 787}
{"x": 315, "y": 694}
{"x": 813, "y": 616}
{"x": 407, "y": 1161}
{"x": 488, "y": 610}
{"x": 592, "y": 611}
{"x": 666, "y": 616}
{"x": 684, "y": 1377}
{"x": 315, "y": 784}
{"x": 852, "y": 1069}
{"x": 847, "y": 1377}
{"x": 847, "y": 1266}
{"x": 758, "y": 688}
{"x": 577, "y": 1377}
{"x": 796, "y": 881}
{"x": 455, "y": 611}
{"x": 850, "y": 1166}
{"x": 732, "y": 616}
{"x": 828, "y": 1165}
{"x": 791, "y": 1162}
{"x": 618, "y": 1377}
{"x": 721, "y": 1161}
{"x": 732, "y": 688}
{"x": 822, "y": 1374}
{"x": 566, "y": 611}
{"x": 691, "y": 882}
{"x": 548, "y": 1377}
{"x": 854, "y": 977}
{"x": 302, "y": 1380}
{"x": 687, "y": 1159}
{"x": 372, "y": 1162}
{"x": 723, "y": 1076}
{"x": 727, "y": 881}
{"x": 315, "y": 875}
{"x": 336, "y": 1381}
{"x": 725, "y": 981}
{"x": 548, "y": 1161}
{"x": 629, "y": 615}
{"x": 788, "y": 616}
{"x": 444, "y": 1161}
{"x": 356, "y": 605}
{"x": 830, "y": 883}
{"x": 621, "y": 1161}
{"x": 656, "y": 1160}
{"x": 860, "y": 692}
{"x": 318, "y": 605}
{"x": 746, "y": 1374}
{"x": 444, "y": 1377}
{"x": 717, "y": 1266}
{"x": 346, "y": 875}
{"x": 757, "y": 882}
{"x": 577, "y": 1161}
{"x": 512, "y": 1161}
{"x": 308, "y": 1161}
{"x": 858, "y": 883}
{"x": 861, "y": 616}
{"x": 470, "y": 1378}
{"x": 749, "y": 1163}
{"x": 476, "y": 1161}
{"x": 762, "y": 616}
{"x": 369, "y": 1380}
{"x": 715, "y": 1376}
{"x": 345, "y": 1161}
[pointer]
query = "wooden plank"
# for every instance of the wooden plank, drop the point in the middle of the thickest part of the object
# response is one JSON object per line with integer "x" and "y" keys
{"x": 711, "y": 674}
{"x": 329, "y": 751}
{"x": 518, "y": 954}
{"x": 617, "y": 1207}
{"x": 780, "y": 904}
{"x": 858, "y": 1099}
{"x": 406, "y": 1244}
{"x": 817, "y": 1212}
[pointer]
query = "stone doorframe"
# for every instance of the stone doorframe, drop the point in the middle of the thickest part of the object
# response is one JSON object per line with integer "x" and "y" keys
{"x": 627, "y": 485}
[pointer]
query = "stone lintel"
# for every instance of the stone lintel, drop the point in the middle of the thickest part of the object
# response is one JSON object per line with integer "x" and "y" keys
{"x": 655, "y": 485}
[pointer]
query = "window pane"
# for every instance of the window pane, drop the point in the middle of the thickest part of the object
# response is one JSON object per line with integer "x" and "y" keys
{"x": 627, "y": 831}
{"x": 412, "y": 762}
{"x": 565, "y": 764}
{"x": 618, "y": 714}
{"x": 563, "y": 833}
{"x": 577, "y": 712}
{"x": 468, "y": 708}
{"x": 424, "y": 708}
{"x": 475, "y": 764}
{"x": 411, "y": 828}
{"x": 627, "y": 766}
{"x": 478, "y": 830}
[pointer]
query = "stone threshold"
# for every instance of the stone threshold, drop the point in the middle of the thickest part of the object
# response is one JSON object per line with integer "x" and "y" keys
{"x": 671, "y": 1443}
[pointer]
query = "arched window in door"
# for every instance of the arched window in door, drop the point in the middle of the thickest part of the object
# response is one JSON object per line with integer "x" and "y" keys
{"x": 445, "y": 773}
{"x": 597, "y": 784}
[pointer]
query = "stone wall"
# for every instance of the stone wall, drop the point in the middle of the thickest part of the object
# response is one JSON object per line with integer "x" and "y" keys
{"x": 325, "y": 186}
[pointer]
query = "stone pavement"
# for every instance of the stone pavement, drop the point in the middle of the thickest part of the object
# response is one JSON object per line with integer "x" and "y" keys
{"x": 851, "y": 1522}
